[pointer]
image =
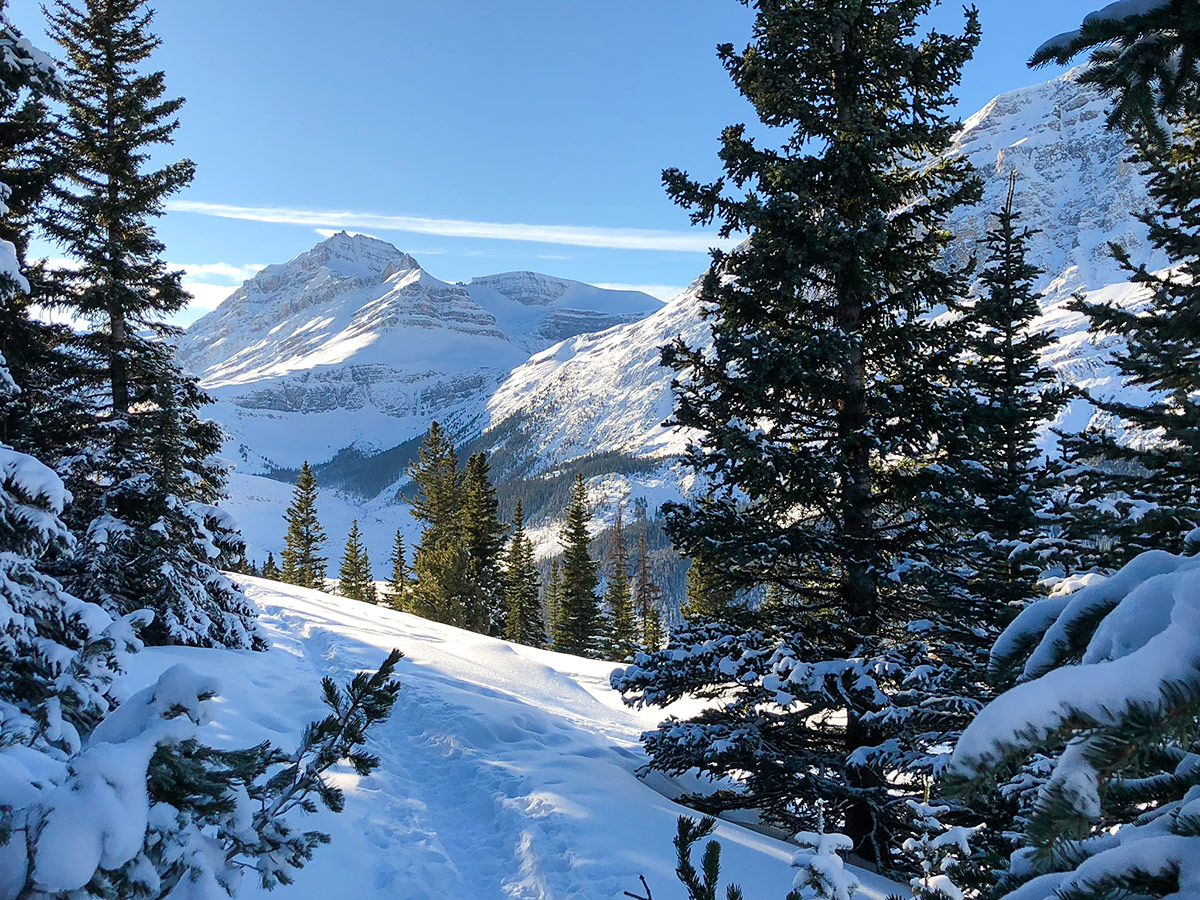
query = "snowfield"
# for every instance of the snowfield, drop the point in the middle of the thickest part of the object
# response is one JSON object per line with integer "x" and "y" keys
{"x": 507, "y": 772}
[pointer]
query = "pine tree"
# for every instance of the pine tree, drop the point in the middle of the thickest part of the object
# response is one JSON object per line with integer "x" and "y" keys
{"x": 271, "y": 568}
{"x": 439, "y": 498}
{"x": 523, "y": 622}
{"x": 647, "y": 601}
{"x": 484, "y": 537}
{"x": 354, "y": 575}
{"x": 369, "y": 592}
{"x": 818, "y": 405}
{"x": 1106, "y": 700}
{"x": 446, "y": 587}
{"x": 578, "y": 620}
{"x": 618, "y": 596}
{"x": 1143, "y": 491}
{"x": 144, "y": 512}
{"x": 303, "y": 564}
{"x": 40, "y": 356}
{"x": 396, "y": 594}
{"x": 443, "y": 589}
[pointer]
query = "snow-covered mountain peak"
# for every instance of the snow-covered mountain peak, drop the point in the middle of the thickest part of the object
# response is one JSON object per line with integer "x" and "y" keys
{"x": 355, "y": 254}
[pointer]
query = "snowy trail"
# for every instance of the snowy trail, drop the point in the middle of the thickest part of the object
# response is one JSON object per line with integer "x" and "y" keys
{"x": 507, "y": 772}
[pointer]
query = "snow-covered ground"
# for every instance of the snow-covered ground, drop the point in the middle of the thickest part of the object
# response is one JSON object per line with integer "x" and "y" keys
{"x": 507, "y": 772}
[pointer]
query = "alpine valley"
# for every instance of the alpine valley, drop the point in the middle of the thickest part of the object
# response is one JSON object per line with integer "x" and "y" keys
{"x": 345, "y": 354}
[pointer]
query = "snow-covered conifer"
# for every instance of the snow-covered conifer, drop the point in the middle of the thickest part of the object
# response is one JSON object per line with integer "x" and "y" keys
{"x": 143, "y": 473}
{"x": 818, "y": 404}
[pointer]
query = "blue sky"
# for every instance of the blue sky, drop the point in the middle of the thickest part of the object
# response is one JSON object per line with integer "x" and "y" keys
{"x": 443, "y": 125}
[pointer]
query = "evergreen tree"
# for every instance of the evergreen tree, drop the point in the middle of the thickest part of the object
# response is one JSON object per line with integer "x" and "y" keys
{"x": 445, "y": 587}
{"x": 819, "y": 405}
{"x": 271, "y": 568}
{"x": 647, "y": 601}
{"x": 369, "y": 593}
{"x": 552, "y": 604}
{"x": 47, "y": 412}
{"x": 396, "y": 594}
{"x": 707, "y": 594}
{"x": 1144, "y": 56}
{"x": 303, "y": 564}
{"x": 993, "y": 549}
{"x": 578, "y": 620}
{"x": 523, "y": 606}
{"x": 354, "y": 580}
{"x": 143, "y": 471}
{"x": 618, "y": 596}
{"x": 1106, "y": 700}
{"x": 438, "y": 502}
{"x": 1102, "y": 722}
{"x": 484, "y": 537}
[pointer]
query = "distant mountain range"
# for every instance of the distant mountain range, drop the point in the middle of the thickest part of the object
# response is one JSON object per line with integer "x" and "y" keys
{"x": 345, "y": 354}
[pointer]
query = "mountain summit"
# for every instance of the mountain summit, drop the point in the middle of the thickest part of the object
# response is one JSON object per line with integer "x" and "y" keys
{"x": 368, "y": 347}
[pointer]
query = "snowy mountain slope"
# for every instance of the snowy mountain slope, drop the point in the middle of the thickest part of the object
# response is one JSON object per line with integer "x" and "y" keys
{"x": 365, "y": 345}
{"x": 605, "y": 393}
{"x": 543, "y": 309}
{"x": 506, "y": 772}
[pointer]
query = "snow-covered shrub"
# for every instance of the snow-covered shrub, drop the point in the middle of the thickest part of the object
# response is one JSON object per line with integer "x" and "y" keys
{"x": 823, "y": 874}
{"x": 941, "y": 853}
{"x": 1109, "y": 694}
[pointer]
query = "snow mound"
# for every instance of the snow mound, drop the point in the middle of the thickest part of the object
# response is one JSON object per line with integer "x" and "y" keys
{"x": 507, "y": 772}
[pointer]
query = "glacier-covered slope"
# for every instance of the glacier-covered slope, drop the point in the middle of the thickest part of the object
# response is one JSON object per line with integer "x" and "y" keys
{"x": 605, "y": 393}
{"x": 505, "y": 772}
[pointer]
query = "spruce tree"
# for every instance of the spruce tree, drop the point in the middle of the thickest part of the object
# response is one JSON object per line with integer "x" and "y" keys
{"x": 396, "y": 594}
{"x": 271, "y": 568}
{"x": 48, "y": 412}
{"x": 483, "y": 534}
{"x": 369, "y": 592}
{"x": 818, "y": 404}
{"x": 303, "y": 564}
{"x": 438, "y": 501}
{"x": 353, "y": 576}
{"x": 618, "y": 596}
{"x": 578, "y": 619}
{"x": 647, "y": 601}
{"x": 523, "y": 607}
{"x": 144, "y": 511}
{"x": 445, "y": 588}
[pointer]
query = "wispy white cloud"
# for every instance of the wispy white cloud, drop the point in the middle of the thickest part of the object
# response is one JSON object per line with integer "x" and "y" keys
{"x": 207, "y": 271}
{"x": 663, "y": 292}
{"x": 568, "y": 235}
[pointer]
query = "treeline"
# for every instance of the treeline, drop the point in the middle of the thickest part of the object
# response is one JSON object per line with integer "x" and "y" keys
{"x": 868, "y": 457}
{"x": 109, "y": 533}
